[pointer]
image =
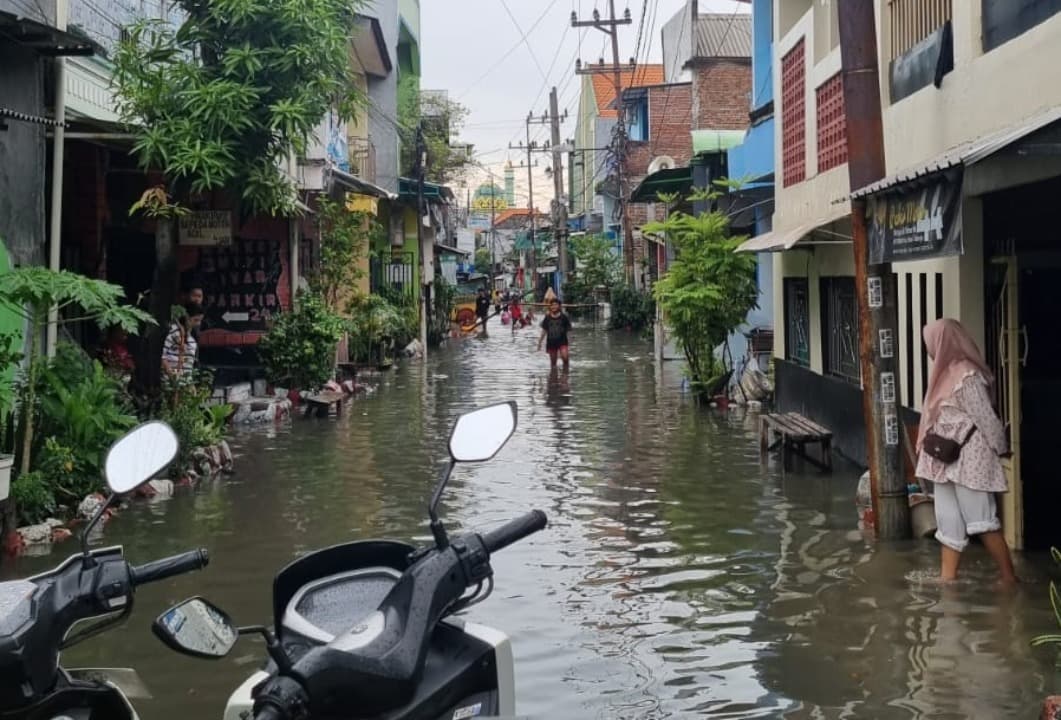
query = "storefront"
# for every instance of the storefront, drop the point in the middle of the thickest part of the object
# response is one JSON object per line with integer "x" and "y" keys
{"x": 985, "y": 215}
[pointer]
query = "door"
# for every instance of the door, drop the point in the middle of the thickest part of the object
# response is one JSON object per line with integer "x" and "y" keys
{"x": 1003, "y": 351}
{"x": 1040, "y": 397}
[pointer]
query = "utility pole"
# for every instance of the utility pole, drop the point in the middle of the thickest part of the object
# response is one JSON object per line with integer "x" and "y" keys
{"x": 610, "y": 27}
{"x": 559, "y": 214}
{"x": 425, "y": 287}
{"x": 531, "y": 148}
{"x": 875, "y": 284}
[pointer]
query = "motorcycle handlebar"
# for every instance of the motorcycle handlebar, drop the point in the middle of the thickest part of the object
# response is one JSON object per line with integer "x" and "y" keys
{"x": 168, "y": 567}
{"x": 514, "y": 530}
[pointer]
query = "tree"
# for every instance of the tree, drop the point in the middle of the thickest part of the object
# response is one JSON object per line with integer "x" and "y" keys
{"x": 31, "y": 292}
{"x": 345, "y": 238}
{"x": 597, "y": 263}
{"x": 707, "y": 292}
{"x": 221, "y": 103}
{"x": 482, "y": 261}
{"x": 442, "y": 120}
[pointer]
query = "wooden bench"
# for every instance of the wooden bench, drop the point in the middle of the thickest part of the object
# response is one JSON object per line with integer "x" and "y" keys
{"x": 323, "y": 402}
{"x": 793, "y": 432}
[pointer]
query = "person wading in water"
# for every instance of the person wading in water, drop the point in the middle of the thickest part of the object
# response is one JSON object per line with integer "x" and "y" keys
{"x": 555, "y": 326}
{"x": 960, "y": 443}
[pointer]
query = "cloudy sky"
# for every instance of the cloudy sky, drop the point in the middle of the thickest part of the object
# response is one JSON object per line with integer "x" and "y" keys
{"x": 499, "y": 58}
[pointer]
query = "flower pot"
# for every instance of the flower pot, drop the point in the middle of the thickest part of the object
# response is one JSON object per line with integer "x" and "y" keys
{"x": 6, "y": 461}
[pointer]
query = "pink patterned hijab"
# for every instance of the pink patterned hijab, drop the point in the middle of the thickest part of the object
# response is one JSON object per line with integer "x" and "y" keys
{"x": 954, "y": 354}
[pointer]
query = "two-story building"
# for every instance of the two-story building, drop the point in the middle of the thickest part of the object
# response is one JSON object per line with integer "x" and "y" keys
{"x": 971, "y": 136}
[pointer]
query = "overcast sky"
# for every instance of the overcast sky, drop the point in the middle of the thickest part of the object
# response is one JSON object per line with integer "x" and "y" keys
{"x": 474, "y": 50}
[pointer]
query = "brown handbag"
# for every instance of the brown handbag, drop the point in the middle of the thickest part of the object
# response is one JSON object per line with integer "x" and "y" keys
{"x": 944, "y": 449}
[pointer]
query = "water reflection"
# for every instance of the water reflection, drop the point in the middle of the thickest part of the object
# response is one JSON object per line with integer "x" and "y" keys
{"x": 678, "y": 577}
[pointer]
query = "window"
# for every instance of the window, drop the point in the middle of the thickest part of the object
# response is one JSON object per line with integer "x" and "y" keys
{"x": 794, "y": 115}
{"x": 832, "y": 125}
{"x": 914, "y": 20}
{"x": 840, "y": 328}
{"x": 637, "y": 119}
{"x": 797, "y": 321}
{"x": 1004, "y": 20}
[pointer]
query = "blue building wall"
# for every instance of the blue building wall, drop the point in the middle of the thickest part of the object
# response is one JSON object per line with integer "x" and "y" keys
{"x": 754, "y": 158}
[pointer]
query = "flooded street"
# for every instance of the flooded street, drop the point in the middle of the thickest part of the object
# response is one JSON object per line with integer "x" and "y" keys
{"x": 679, "y": 577}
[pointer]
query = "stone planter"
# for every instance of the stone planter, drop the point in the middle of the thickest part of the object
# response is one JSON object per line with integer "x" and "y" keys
{"x": 6, "y": 461}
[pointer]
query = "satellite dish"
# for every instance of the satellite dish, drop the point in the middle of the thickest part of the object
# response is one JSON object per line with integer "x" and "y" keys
{"x": 663, "y": 162}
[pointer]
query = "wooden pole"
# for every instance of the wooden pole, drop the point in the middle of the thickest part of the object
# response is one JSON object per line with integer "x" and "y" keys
{"x": 875, "y": 284}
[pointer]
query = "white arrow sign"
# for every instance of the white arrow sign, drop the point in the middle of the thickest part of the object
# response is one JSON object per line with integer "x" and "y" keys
{"x": 235, "y": 317}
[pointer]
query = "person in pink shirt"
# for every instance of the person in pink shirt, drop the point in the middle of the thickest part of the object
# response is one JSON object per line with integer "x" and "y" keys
{"x": 958, "y": 407}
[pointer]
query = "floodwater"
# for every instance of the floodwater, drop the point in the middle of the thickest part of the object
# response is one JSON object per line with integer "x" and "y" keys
{"x": 679, "y": 577}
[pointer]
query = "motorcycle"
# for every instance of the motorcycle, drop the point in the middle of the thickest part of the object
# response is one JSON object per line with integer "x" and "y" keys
{"x": 369, "y": 629}
{"x": 37, "y": 614}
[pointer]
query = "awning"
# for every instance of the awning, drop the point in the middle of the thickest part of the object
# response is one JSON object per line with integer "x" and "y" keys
{"x": 780, "y": 240}
{"x": 712, "y": 141}
{"x": 43, "y": 38}
{"x": 673, "y": 180}
{"x": 967, "y": 154}
{"x": 358, "y": 185}
{"x": 407, "y": 188}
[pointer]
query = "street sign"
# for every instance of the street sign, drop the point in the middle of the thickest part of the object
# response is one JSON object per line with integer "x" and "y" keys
{"x": 230, "y": 317}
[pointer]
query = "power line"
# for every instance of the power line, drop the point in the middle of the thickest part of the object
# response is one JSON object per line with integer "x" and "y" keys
{"x": 504, "y": 4}
{"x": 500, "y": 61}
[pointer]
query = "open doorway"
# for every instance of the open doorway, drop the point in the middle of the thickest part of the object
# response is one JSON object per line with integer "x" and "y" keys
{"x": 1023, "y": 289}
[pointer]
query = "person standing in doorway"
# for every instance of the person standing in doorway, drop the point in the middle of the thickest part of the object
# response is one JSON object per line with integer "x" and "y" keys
{"x": 960, "y": 444}
{"x": 555, "y": 327}
{"x": 482, "y": 307}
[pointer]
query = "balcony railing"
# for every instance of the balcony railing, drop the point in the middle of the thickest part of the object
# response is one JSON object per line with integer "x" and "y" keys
{"x": 363, "y": 159}
{"x": 914, "y": 20}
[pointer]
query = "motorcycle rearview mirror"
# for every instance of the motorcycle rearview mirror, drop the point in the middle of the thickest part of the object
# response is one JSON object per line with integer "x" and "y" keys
{"x": 476, "y": 437}
{"x": 198, "y": 628}
{"x": 132, "y": 460}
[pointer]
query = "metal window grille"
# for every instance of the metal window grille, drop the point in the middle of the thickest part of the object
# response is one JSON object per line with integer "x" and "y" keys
{"x": 832, "y": 124}
{"x": 794, "y": 114}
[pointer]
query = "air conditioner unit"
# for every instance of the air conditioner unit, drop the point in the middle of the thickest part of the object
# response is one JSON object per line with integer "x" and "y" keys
{"x": 663, "y": 162}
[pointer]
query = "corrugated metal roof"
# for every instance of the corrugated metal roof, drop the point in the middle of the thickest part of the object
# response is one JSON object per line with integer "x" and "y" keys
{"x": 780, "y": 240}
{"x": 723, "y": 35}
{"x": 966, "y": 154}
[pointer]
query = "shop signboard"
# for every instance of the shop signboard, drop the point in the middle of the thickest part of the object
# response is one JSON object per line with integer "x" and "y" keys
{"x": 206, "y": 228}
{"x": 924, "y": 221}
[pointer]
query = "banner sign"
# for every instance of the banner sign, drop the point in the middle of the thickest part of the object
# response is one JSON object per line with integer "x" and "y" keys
{"x": 925, "y": 222}
{"x": 206, "y": 228}
{"x": 478, "y": 221}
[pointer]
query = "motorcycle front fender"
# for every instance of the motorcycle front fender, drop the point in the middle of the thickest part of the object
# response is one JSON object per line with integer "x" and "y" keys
{"x": 240, "y": 703}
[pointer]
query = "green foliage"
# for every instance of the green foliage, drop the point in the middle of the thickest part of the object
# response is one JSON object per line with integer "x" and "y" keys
{"x": 708, "y": 290}
{"x": 84, "y": 409}
{"x": 33, "y": 497}
{"x": 197, "y": 425}
{"x": 1055, "y": 602}
{"x": 442, "y": 120}
{"x": 442, "y": 294}
{"x": 345, "y": 238}
{"x": 632, "y": 309}
{"x": 222, "y": 101}
{"x": 377, "y": 324}
{"x": 298, "y": 351}
{"x": 31, "y": 292}
{"x": 482, "y": 261}
{"x": 597, "y": 267}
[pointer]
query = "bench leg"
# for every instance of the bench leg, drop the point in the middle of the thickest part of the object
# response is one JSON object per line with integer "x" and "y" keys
{"x": 827, "y": 454}
{"x": 764, "y": 437}
{"x": 786, "y": 454}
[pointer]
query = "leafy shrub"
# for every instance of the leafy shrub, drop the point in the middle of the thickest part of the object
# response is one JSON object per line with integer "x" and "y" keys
{"x": 443, "y": 294}
{"x": 377, "y": 324}
{"x": 299, "y": 349}
{"x": 83, "y": 407}
{"x": 33, "y": 497}
{"x": 632, "y": 308}
{"x": 196, "y": 424}
{"x": 1055, "y": 602}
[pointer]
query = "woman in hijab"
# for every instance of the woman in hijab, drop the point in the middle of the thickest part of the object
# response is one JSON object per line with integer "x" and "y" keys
{"x": 958, "y": 412}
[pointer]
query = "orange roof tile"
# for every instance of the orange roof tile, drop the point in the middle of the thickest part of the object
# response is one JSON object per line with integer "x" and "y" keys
{"x": 604, "y": 85}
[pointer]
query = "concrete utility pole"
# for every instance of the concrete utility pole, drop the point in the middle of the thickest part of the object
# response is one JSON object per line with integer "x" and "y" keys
{"x": 531, "y": 148}
{"x": 425, "y": 287}
{"x": 875, "y": 284}
{"x": 559, "y": 214}
{"x": 610, "y": 27}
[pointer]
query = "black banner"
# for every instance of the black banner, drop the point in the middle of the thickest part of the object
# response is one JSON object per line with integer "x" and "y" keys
{"x": 925, "y": 222}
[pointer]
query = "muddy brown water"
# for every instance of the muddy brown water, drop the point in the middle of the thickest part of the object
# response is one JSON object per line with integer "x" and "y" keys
{"x": 679, "y": 576}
